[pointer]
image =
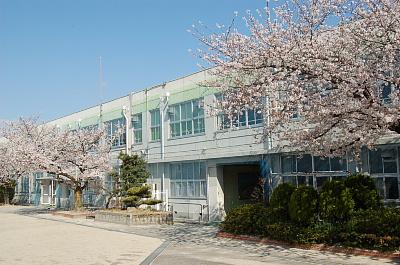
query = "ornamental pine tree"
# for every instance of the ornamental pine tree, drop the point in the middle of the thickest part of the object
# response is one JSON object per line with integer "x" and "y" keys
{"x": 133, "y": 176}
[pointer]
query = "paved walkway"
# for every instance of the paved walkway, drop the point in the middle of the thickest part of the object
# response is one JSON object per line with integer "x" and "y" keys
{"x": 26, "y": 240}
{"x": 194, "y": 244}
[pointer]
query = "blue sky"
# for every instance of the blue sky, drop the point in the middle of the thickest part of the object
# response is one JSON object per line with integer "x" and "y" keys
{"x": 49, "y": 50}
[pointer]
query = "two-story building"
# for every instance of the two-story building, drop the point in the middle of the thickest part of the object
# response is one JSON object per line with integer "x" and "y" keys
{"x": 204, "y": 164}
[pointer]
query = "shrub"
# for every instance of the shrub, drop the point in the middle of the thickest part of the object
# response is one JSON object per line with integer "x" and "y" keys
{"x": 280, "y": 197}
{"x": 382, "y": 222}
{"x": 242, "y": 219}
{"x": 135, "y": 196}
{"x": 303, "y": 205}
{"x": 363, "y": 191}
{"x": 336, "y": 202}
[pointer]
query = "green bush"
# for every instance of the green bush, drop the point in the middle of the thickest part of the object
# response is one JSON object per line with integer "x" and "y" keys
{"x": 135, "y": 195}
{"x": 303, "y": 205}
{"x": 245, "y": 219}
{"x": 336, "y": 202}
{"x": 280, "y": 197}
{"x": 381, "y": 222}
{"x": 363, "y": 191}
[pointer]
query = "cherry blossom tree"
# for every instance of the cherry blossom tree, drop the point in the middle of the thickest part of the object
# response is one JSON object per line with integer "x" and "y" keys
{"x": 325, "y": 73}
{"x": 8, "y": 173}
{"x": 72, "y": 156}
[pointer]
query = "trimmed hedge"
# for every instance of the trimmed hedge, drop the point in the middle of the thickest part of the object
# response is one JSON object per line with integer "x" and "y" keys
{"x": 280, "y": 197}
{"x": 336, "y": 202}
{"x": 373, "y": 228}
{"x": 303, "y": 206}
{"x": 363, "y": 191}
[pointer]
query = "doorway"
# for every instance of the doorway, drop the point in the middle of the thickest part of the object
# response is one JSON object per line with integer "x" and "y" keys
{"x": 240, "y": 182}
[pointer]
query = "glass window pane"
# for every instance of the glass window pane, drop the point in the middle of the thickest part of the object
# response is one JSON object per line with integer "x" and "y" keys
{"x": 197, "y": 189}
{"x": 321, "y": 181}
{"x": 389, "y": 157}
{"x": 375, "y": 161}
{"x": 203, "y": 189}
{"x": 251, "y": 117}
{"x": 184, "y": 189}
{"x": 173, "y": 168}
{"x": 304, "y": 163}
{"x": 275, "y": 163}
{"x": 187, "y": 171}
{"x": 259, "y": 116}
{"x": 155, "y": 117}
{"x": 137, "y": 121}
{"x": 203, "y": 173}
{"x": 310, "y": 180}
{"x": 242, "y": 119}
{"x": 301, "y": 180}
{"x": 188, "y": 128}
{"x": 392, "y": 188}
{"x": 223, "y": 121}
{"x": 190, "y": 189}
{"x": 389, "y": 166}
{"x": 198, "y": 108}
{"x": 175, "y": 129}
{"x": 288, "y": 164}
{"x": 196, "y": 171}
{"x": 173, "y": 189}
{"x": 138, "y": 136}
{"x": 321, "y": 163}
{"x": 379, "y": 187}
{"x": 289, "y": 179}
{"x": 338, "y": 164}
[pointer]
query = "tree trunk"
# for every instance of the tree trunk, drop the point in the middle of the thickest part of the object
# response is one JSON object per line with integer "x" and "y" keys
{"x": 6, "y": 197}
{"x": 78, "y": 198}
{"x": 108, "y": 201}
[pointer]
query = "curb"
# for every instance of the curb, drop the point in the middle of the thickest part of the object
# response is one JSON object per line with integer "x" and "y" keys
{"x": 319, "y": 247}
{"x": 149, "y": 260}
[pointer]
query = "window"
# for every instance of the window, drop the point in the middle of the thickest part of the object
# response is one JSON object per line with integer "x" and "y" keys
{"x": 186, "y": 118}
{"x": 25, "y": 185}
{"x": 155, "y": 125}
{"x": 91, "y": 127}
{"x": 137, "y": 128}
{"x": 383, "y": 161}
{"x": 116, "y": 132}
{"x": 243, "y": 118}
{"x": 188, "y": 180}
{"x": 329, "y": 164}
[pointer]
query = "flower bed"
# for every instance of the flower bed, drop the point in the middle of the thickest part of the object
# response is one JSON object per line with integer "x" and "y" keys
{"x": 134, "y": 217}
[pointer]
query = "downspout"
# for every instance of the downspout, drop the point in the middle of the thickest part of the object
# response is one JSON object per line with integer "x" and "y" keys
{"x": 124, "y": 110}
{"x": 164, "y": 104}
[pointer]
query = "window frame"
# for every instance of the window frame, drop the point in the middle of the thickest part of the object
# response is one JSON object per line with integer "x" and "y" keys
{"x": 137, "y": 130}
{"x": 180, "y": 118}
{"x": 182, "y": 182}
{"x": 155, "y": 128}
{"x": 118, "y": 141}
{"x": 225, "y": 123}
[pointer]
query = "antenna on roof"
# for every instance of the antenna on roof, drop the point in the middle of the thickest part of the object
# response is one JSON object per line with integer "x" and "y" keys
{"x": 101, "y": 80}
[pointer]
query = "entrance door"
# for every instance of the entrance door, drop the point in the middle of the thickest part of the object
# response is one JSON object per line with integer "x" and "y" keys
{"x": 46, "y": 189}
{"x": 239, "y": 184}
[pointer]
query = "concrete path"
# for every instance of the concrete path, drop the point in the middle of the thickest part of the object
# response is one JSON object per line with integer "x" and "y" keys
{"x": 186, "y": 244}
{"x": 26, "y": 240}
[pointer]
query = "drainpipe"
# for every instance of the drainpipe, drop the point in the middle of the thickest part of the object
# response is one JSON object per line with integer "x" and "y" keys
{"x": 164, "y": 104}
{"x": 124, "y": 112}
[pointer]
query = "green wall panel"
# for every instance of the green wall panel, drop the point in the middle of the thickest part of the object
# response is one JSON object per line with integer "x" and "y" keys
{"x": 112, "y": 115}
{"x": 90, "y": 121}
{"x": 191, "y": 93}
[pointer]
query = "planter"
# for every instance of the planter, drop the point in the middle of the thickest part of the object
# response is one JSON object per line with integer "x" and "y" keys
{"x": 134, "y": 218}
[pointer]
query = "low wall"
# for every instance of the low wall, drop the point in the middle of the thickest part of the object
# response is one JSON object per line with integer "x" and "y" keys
{"x": 128, "y": 218}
